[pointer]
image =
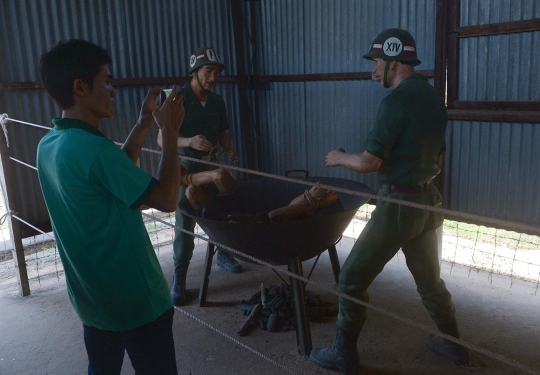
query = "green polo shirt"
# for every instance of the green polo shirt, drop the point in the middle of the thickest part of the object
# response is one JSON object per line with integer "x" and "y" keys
{"x": 93, "y": 192}
{"x": 209, "y": 121}
{"x": 409, "y": 133}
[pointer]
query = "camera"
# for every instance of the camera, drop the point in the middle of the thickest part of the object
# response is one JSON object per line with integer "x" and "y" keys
{"x": 164, "y": 94}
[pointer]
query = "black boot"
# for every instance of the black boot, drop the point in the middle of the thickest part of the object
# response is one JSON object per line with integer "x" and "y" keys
{"x": 454, "y": 352}
{"x": 226, "y": 261}
{"x": 342, "y": 356}
{"x": 178, "y": 289}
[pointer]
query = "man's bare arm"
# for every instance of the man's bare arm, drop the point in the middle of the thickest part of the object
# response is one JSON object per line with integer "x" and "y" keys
{"x": 362, "y": 162}
{"x": 199, "y": 142}
{"x": 226, "y": 144}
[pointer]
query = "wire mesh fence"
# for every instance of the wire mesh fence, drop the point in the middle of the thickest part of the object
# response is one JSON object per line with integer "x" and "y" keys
{"x": 480, "y": 248}
{"x": 495, "y": 251}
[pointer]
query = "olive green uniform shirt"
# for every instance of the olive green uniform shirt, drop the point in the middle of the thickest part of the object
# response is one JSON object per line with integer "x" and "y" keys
{"x": 209, "y": 121}
{"x": 409, "y": 133}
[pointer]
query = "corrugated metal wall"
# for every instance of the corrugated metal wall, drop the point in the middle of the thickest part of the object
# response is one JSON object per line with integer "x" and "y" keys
{"x": 499, "y": 67}
{"x": 301, "y": 122}
{"x": 493, "y": 169}
{"x": 147, "y": 39}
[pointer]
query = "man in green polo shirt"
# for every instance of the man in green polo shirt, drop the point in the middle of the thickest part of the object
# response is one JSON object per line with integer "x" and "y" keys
{"x": 406, "y": 148}
{"x": 205, "y": 125}
{"x": 94, "y": 191}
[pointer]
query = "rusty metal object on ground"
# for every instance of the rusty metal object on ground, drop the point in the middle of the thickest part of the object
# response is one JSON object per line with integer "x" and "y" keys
{"x": 273, "y": 322}
{"x": 277, "y": 314}
{"x": 244, "y": 328}
{"x": 316, "y": 197}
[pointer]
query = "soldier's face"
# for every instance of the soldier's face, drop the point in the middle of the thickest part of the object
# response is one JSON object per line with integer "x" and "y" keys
{"x": 378, "y": 69}
{"x": 207, "y": 76}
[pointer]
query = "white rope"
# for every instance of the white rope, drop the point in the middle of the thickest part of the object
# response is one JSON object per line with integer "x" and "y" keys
{"x": 410, "y": 322}
{"x": 519, "y": 227}
{"x": 23, "y": 163}
{"x": 509, "y": 224}
{"x": 33, "y": 227}
{"x": 27, "y": 123}
{"x": 237, "y": 342}
{"x": 5, "y": 216}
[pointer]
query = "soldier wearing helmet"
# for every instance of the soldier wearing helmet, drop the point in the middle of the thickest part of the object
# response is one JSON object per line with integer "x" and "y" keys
{"x": 405, "y": 147}
{"x": 205, "y": 125}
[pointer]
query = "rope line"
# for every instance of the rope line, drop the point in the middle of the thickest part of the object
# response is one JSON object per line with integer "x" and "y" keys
{"x": 237, "y": 342}
{"x": 5, "y": 216}
{"x": 497, "y": 222}
{"x": 33, "y": 227}
{"x": 408, "y": 321}
{"x": 23, "y": 163}
{"x": 517, "y": 226}
{"x": 7, "y": 118}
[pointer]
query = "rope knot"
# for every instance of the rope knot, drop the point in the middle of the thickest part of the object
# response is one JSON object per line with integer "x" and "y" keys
{"x": 4, "y": 118}
{"x": 3, "y": 218}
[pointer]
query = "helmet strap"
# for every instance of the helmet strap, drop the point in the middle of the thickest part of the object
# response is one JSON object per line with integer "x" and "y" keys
{"x": 199, "y": 82}
{"x": 385, "y": 80}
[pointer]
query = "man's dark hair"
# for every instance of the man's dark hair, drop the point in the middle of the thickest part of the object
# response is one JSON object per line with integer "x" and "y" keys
{"x": 68, "y": 61}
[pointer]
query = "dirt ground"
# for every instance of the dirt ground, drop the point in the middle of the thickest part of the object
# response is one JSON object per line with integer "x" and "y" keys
{"x": 40, "y": 334}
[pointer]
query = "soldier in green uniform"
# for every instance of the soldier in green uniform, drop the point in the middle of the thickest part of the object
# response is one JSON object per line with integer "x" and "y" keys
{"x": 205, "y": 125}
{"x": 406, "y": 148}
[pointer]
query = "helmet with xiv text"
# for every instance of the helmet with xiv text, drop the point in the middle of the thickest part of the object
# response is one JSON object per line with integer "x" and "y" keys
{"x": 394, "y": 44}
{"x": 204, "y": 56}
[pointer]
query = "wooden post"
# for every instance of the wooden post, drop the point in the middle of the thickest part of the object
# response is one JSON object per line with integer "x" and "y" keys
{"x": 14, "y": 227}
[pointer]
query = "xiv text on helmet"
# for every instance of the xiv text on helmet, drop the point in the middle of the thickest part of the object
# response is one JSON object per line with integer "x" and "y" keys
{"x": 393, "y": 45}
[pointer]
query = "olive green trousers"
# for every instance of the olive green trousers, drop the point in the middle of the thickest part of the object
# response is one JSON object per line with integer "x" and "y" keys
{"x": 393, "y": 227}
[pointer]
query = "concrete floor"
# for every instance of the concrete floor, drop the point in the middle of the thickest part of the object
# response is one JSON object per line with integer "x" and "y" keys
{"x": 40, "y": 334}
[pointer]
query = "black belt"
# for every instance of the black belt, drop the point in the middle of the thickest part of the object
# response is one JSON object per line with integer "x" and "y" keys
{"x": 406, "y": 189}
